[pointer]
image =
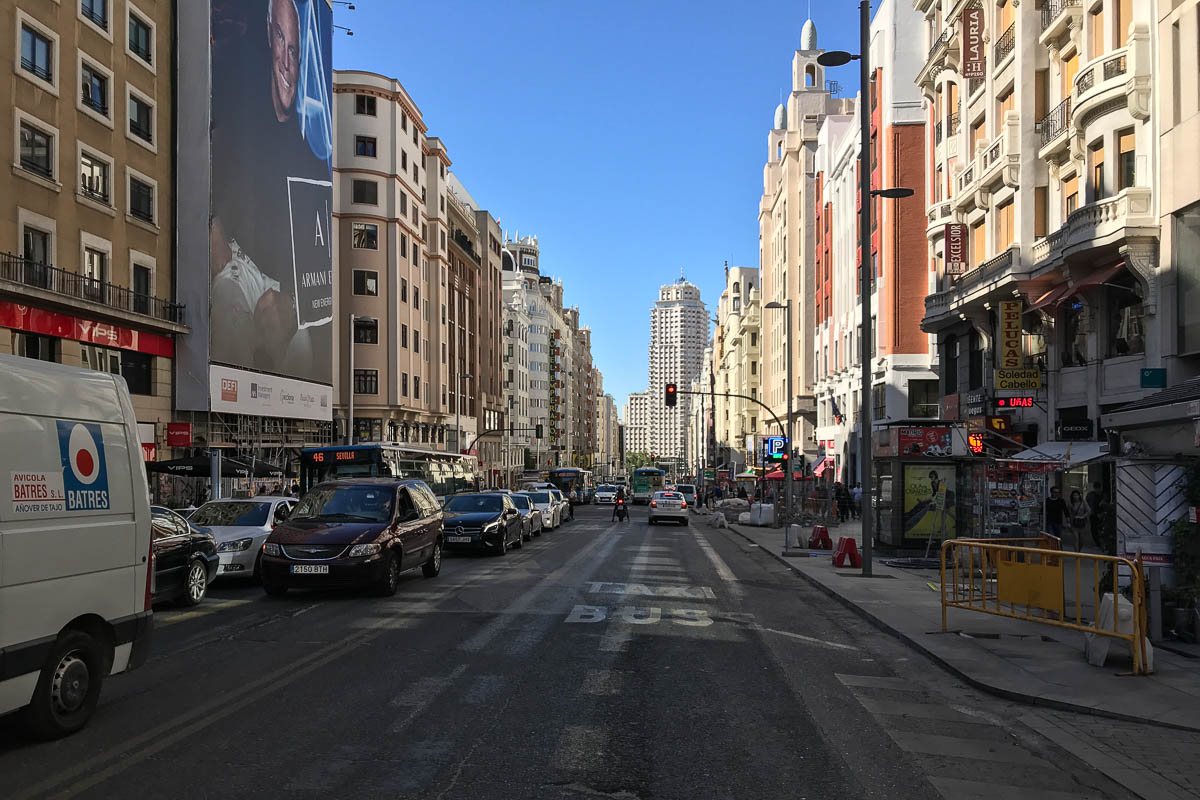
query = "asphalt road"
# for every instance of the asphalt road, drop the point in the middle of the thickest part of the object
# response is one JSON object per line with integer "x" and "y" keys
{"x": 601, "y": 660}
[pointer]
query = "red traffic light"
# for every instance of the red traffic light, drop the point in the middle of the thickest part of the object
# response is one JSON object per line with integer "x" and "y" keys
{"x": 669, "y": 395}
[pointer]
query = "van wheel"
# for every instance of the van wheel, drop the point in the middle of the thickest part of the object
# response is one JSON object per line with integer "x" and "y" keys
{"x": 195, "y": 585}
{"x": 433, "y": 566}
{"x": 390, "y": 582}
{"x": 68, "y": 688}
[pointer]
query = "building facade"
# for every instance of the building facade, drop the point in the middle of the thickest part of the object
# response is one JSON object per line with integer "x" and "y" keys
{"x": 87, "y": 208}
{"x": 904, "y": 384}
{"x": 786, "y": 240}
{"x": 637, "y": 423}
{"x": 738, "y": 368}
{"x": 1048, "y": 167}
{"x": 678, "y": 332}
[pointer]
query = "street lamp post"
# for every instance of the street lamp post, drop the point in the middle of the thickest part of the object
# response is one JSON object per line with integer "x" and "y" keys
{"x": 836, "y": 58}
{"x": 786, "y": 305}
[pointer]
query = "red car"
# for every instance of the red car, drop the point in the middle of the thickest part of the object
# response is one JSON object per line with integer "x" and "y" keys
{"x": 358, "y": 532}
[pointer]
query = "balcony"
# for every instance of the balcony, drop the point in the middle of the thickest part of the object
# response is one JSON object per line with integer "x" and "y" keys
{"x": 19, "y": 275}
{"x": 1000, "y": 161}
{"x": 937, "y": 305}
{"x": 1050, "y": 129}
{"x": 939, "y": 215}
{"x": 1004, "y": 45}
{"x": 943, "y": 50}
{"x": 995, "y": 270}
{"x": 1119, "y": 77}
{"x": 1058, "y": 16}
{"x": 1098, "y": 224}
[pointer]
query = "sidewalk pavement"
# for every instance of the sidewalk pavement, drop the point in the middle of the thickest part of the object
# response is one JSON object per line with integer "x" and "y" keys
{"x": 1016, "y": 659}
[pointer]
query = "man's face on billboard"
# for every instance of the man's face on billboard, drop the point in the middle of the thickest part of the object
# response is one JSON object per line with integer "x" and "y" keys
{"x": 283, "y": 34}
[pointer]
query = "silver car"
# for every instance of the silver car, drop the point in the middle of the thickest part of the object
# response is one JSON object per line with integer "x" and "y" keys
{"x": 606, "y": 494}
{"x": 688, "y": 491}
{"x": 531, "y": 518}
{"x": 668, "y": 505}
{"x": 564, "y": 505}
{"x": 240, "y": 527}
{"x": 545, "y": 502}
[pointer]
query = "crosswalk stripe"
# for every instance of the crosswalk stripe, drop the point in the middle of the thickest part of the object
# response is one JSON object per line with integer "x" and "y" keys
{"x": 874, "y": 681}
{"x": 959, "y": 789}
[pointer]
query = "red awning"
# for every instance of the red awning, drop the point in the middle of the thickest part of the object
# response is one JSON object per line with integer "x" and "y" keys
{"x": 827, "y": 461}
{"x": 1097, "y": 277}
{"x": 1050, "y": 297}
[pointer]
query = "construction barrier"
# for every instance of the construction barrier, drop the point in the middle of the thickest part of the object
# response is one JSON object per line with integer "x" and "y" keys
{"x": 1024, "y": 579}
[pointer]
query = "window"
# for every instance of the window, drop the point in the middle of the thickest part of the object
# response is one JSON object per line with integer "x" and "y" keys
{"x": 368, "y": 430}
{"x": 1004, "y": 103}
{"x": 93, "y": 177}
{"x": 94, "y": 87}
{"x": 977, "y": 135}
{"x": 141, "y": 200}
{"x": 140, "y": 38}
{"x": 95, "y": 272}
{"x": 1076, "y": 325}
{"x": 1096, "y": 162}
{"x": 37, "y": 54}
{"x": 1122, "y": 15}
{"x": 975, "y": 361}
{"x": 403, "y": 245}
{"x": 753, "y": 339}
{"x": 366, "y": 282}
{"x": 404, "y": 336}
{"x": 879, "y": 401}
{"x": 1070, "y": 194}
{"x": 1126, "y": 159}
{"x": 366, "y": 381}
{"x": 366, "y": 192}
{"x": 95, "y": 11}
{"x": 36, "y": 245}
{"x": 1126, "y": 315}
{"x": 404, "y": 290}
{"x": 32, "y": 345}
{"x": 1070, "y": 67}
{"x": 366, "y": 331}
{"x": 950, "y": 366}
{"x": 1185, "y": 255}
{"x": 365, "y": 236}
{"x": 364, "y": 104}
{"x": 923, "y": 399}
{"x": 1004, "y": 226}
{"x": 404, "y": 384}
{"x": 141, "y": 118}
{"x": 417, "y": 388}
{"x": 141, "y": 289}
{"x": 978, "y": 244}
{"x": 416, "y": 341}
{"x": 364, "y": 146}
{"x": 1041, "y": 212}
{"x": 37, "y": 150}
{"x": 1096, "y": 32}
{"x": 417, "y": 297}
{"x": 136, "y": 369}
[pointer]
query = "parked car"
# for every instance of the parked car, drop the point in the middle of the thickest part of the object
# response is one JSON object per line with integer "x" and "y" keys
{"x": 545, "y": 503}
{"x": 606, "y": 494}
{"x": 185, "y": 558}
{"x": 688, "y": 490}
{"x": 483, "y": 521}
{"x": 564, "y": 505}
{"x": 530, "y": 515}
{"x": 668, "y": 505}
{"x": 240, "y": 527}
{"x": 355, "y": 532}
{"x": 76, "y": 580}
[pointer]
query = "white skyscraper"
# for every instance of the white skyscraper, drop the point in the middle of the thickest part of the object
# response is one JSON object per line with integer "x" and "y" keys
{"x": 637, "y": 423}
{"x": 678, "y": 334}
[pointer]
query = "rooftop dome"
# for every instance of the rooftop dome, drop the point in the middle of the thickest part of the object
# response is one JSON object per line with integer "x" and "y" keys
{"x": 780, "y": 117}
{"x": 808, "y": 36}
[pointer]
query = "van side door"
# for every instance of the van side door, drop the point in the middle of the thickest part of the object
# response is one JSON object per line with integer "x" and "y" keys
{"x": 431, "y": 515}
{"x": 408, "y": 528}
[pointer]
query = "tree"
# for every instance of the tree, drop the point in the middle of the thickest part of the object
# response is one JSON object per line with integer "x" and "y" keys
{"x": 639, "y": 459}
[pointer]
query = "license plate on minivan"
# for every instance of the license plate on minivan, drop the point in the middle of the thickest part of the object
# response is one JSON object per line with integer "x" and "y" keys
{"x": 310, "y": 569}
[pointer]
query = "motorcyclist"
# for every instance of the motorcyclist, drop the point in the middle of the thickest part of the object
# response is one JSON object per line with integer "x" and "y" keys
{"x": 619, "y": 502}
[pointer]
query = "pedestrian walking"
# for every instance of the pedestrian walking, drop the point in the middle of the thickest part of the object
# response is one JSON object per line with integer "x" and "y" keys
{"x": 1094, "y": 498}
{"x": 1056, "y": 511}
{"x": 1080, "y": 515}
{"x": 856, "y": 501}
{"x": 842, "y": 496}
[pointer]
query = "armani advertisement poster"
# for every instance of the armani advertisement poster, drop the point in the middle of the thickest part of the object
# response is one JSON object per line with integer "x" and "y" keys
{"x": 271, "y": 251}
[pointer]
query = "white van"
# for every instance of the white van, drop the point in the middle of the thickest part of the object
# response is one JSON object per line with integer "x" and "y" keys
{"x": 75, "y": 559}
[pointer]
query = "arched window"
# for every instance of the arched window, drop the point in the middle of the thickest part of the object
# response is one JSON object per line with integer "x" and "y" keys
{"x": 810, "y": 75}
{"x": 736, "y": 289}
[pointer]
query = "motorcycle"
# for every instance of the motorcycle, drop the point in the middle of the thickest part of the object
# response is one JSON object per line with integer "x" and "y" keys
{"x": 622, "y": 511}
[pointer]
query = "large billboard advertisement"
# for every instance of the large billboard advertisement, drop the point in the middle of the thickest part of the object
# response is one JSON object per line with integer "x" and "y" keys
{"x": 928, "y": 501}
{"x": 270, "y": 246}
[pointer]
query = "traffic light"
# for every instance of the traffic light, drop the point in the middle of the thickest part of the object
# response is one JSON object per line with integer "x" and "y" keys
{"x": 537, "y": 431}
{"x": 670, "y": 396}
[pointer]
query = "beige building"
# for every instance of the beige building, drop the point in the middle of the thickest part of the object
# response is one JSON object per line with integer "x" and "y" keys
{"x": 385, "y": 276}
{"x": 786, "y": 238}
{"x": 86, "y": 210}
{"x": 739, "y": 368}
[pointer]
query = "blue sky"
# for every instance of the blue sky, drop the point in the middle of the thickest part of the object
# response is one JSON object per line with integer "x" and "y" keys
{"x": 629, "y": 135}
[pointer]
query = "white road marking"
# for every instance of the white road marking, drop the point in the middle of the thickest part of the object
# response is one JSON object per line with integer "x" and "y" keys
{"x": 425, "y": 692}
{"x": 655, "y": 560}
{"x": 723, "y": 570}
{"x": 811, "y": 640}
{"x": 652, "y": 590}
{"x": 874, "y": 682}
{"x": 616, "y": 637}
{"x": 587, "y": 614}
{"x": 656, "y": 568}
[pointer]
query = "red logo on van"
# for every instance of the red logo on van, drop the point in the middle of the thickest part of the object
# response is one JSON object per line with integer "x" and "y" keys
{"x": 228, "y": 390}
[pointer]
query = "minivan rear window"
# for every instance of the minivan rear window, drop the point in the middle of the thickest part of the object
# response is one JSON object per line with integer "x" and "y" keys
{"x": 540, "y": 497}
{"x": 686, "y": 488}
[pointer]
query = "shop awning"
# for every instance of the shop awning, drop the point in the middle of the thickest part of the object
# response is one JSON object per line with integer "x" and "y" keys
{"x": 1097, "y": 277}
{"x": 822, "y": 464}
{"x": 1069, "y": 454}
{"x": 201, "y": 467}
{"x": 1050, "y": 297}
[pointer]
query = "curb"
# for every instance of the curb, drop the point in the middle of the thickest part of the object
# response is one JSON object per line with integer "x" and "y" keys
{"x": 998, "y": 691}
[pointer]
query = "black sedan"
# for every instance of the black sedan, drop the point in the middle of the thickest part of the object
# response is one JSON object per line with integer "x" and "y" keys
{"x": 185, "y": 558}
{"x": 482, "y": 521}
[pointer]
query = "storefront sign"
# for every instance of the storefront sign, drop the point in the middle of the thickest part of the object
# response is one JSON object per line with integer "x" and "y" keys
{"x": 179, "y": 434}
{"x": 149, "y": 451}
{"x": 999, "y": 424}
{"x": 1157, "y": 551}
{"x": 66, "y": 326}
{"x": 1011, "y": 355}
{"x": 1078, "y": 430}
{"x": 974, "y": 403}
{"x": 1015, "y": 402}
{"x": 1154, "y": 378}
{"x": 1018, "y": 379}
{"x": 923, "y": 441}
{"x": 950, "y": 406}
{"x": 975, "y": 443}
{"x": 955, "y": 237}
{"x": 242, "y": 392}
{"x": 973, "y": 48}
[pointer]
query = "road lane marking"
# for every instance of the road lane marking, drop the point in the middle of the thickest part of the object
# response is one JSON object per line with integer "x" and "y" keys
{"x": 626, "y": 616}
{"x": 657, "y": 568}
{"x": 424, "y": 693}
{"x": 811, "y": 640}
{"x": 655, "y": 560}
{"x": 204, "y": 611}
{"x": 723, "y": 570}
{"x": 682, "y": 592}
{"x": 874, "y": 681}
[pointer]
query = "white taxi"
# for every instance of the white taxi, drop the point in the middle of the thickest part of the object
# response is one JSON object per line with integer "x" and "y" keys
{"x": 668, "y": 505}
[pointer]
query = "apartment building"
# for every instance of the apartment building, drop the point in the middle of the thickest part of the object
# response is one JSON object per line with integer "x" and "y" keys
{"x": 678, "y": 331}
{"x": 384, "y": 289}
{"x": 637, "y": 423}
{"x": 904, "y": 385}
{"x": 526, "y": 349}
{"x": 739, "y": 368}
{"x": 88, "y": 207}
{"x": 1042, "y": 168}
{"x": 702, "y": 443}
{"x": 786, "y": 238}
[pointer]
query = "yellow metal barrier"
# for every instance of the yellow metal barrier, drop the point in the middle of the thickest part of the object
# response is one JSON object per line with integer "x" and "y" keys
{"x": 1023, "y": 579}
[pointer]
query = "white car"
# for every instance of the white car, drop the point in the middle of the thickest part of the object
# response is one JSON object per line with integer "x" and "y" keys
{"x": 564, "y": 505}
{"x": 668, "y": 505}
{"x": 688, "y": 491}
{"x": 606, "y": 494}
{"x": 240, "y": 527}
{"x": 545, "y": 502}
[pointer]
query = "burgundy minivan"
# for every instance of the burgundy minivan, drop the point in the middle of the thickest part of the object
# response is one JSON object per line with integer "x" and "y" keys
{"x": 355, "y": 532}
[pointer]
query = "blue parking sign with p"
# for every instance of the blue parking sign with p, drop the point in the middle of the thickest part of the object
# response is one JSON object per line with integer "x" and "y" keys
{"x": 776, "y": 447}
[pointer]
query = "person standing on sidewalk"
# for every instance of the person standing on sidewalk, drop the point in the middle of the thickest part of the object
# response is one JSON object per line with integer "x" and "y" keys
{"x": 1056, "y": 510}
{"x": 1080, "y": 516}
{"x": 856, "y": 501}
{"x": 1094, "y": 499}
